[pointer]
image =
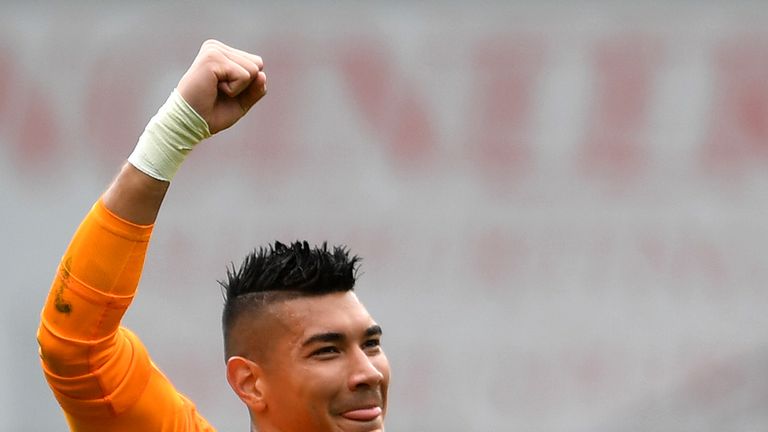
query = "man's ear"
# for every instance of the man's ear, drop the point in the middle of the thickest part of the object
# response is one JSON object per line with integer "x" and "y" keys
{"x": 247, "y": 380}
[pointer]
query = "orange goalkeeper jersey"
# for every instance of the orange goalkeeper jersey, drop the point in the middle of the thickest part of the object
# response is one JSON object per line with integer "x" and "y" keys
{"x": 100, "y": 372}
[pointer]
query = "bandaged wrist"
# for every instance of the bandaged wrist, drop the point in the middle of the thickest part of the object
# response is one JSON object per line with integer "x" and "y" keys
{"x": 169, "y": 136}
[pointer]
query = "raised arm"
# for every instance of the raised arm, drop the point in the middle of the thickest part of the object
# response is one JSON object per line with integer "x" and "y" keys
{"x": 222, "y": 84}
{"x": 100, "y": 372}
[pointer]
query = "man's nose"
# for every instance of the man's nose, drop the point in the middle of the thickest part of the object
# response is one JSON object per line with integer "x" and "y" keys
{"x": 364, "y": 371}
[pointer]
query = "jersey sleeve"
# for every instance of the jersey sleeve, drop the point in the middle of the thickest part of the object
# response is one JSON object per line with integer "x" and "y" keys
{"x": 100, "y": 372}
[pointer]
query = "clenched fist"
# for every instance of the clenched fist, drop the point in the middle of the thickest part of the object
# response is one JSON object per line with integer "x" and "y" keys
{"x": 223, "y": 83}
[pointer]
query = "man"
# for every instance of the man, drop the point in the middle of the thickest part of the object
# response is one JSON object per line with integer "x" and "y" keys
{"x": 301, "y": 351}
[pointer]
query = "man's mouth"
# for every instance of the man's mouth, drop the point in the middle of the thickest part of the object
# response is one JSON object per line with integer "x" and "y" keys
{"x": 363, "y": 414}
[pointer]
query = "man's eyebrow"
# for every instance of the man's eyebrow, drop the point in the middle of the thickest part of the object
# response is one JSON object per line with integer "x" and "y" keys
{"x": 334, "y": 337}
{"x": 374, "y": 330}
{"x": 323, "y": 337}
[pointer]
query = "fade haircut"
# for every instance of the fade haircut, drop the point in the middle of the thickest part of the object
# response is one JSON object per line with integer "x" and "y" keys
{"x": 282, "y": 272}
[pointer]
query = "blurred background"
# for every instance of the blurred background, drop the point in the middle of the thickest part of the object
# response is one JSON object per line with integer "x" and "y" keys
{"x": 561, "y": 206}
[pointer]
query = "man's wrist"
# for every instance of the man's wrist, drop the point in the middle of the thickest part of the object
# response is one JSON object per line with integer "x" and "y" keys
{"x": 169, "y": 136}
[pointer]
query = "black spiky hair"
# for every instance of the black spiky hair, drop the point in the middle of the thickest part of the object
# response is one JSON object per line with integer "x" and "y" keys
{"x": 284, "y": 271}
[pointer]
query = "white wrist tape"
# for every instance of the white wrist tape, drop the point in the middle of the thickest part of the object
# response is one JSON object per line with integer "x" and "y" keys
{"x": 169, "y": 136}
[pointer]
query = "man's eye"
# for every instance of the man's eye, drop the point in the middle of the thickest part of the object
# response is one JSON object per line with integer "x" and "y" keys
{"x": 372, "y": 344}
{"x": 325, "y": 351}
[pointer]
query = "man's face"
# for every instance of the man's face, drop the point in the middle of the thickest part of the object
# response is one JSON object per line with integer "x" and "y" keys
{"x": 326, "y": 370}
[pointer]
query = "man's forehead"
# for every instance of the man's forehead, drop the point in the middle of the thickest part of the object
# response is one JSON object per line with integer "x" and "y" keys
{"x": 327, "y": 312}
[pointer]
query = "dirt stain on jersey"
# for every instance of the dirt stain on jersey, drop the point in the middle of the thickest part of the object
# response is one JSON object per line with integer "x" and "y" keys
{"x": 62, "y": 305}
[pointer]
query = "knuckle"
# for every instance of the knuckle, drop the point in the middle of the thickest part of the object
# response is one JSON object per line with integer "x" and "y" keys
{"x": 210, "y": 47}
{"x": 211, "y": 42}
{"x": 253, "y": 70}
{"x": 210, "y": 54}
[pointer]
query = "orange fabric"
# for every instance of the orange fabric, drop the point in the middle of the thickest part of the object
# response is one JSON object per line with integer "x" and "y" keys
{"x": 101, "y": 373}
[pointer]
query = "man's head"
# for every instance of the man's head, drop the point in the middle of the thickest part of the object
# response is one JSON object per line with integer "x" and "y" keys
{"x": 302, "y": 351}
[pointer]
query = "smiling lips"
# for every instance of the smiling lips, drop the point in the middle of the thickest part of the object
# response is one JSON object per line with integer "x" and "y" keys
{"x": 363, "y": 414}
